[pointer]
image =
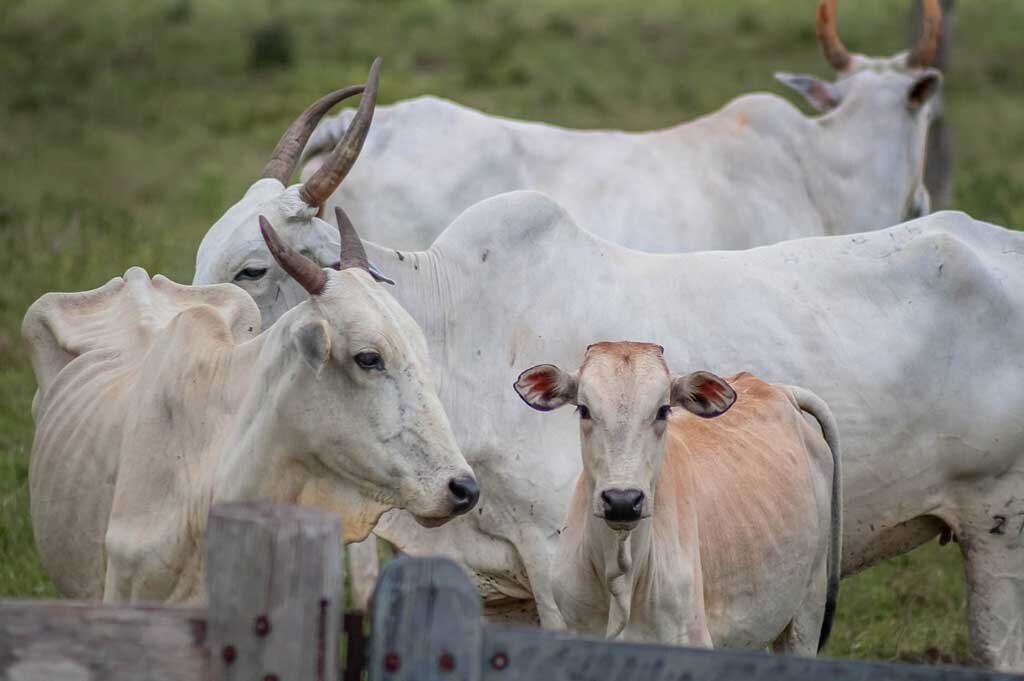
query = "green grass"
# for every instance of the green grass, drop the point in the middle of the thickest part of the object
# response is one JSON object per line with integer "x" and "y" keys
{"x": 126, "y": 132}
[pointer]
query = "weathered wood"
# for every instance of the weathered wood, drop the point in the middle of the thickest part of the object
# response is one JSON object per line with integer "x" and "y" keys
{"x": 526, "y": 655}
{"x": 274, "y": 576}
{"x": 68, "y": 641}
{"x": 426, "y": 623}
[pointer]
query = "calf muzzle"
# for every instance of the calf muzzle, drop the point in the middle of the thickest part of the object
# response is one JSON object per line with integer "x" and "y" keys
{"x": 622, "y": 505}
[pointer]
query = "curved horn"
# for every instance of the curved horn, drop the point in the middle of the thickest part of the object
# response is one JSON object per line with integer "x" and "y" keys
{"x": 931, "y": 31}
{"x": 301, "y": 268}
{"x": 835, "y": 52}
{"x": 353, "y": 254}
{"x": 318, "y": 188}
{"x": 286, "y": 154}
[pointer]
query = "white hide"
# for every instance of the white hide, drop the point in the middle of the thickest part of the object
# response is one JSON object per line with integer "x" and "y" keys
{"x": 756, "y": 172}
{"x": 907, "y": 333}
{"x": 156, "y": 400}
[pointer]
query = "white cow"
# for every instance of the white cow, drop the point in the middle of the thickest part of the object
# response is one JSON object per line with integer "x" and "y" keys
{"x": 755, "y": 172}
{"x": 902, "y": 332}
{"x": 693, "y": 532}
{"x": 156, "y": 400}
{"x": 906, "y": 333}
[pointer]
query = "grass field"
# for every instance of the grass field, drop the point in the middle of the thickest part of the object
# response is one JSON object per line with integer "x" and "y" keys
{"x": 126, "y": 133}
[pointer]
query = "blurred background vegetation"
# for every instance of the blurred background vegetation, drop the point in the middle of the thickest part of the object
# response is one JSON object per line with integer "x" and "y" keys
{"x": 128, "y": 128}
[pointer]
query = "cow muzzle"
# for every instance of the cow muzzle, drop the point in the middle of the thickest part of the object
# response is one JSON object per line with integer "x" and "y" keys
{"x": 463, "y": 492}
{"x": 623, "y": 508}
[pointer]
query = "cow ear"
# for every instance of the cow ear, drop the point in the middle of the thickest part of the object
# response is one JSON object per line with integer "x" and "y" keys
{"x": 702, "y": 393}
{"x": 923, "y": 89}
{"x": 313, "y": 341}
{"x": 821, "y": 94}
{"x": 546, "y": 387}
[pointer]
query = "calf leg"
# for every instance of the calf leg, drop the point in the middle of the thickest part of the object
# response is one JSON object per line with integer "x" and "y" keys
{"x": 801, "y": 636}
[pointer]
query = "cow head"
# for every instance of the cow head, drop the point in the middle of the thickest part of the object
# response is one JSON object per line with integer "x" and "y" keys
{"x": 233, "y": 250}
{"x": 890, "y": 100}
{"x": 358, "y": 402}
{"x": 623, "y": 394}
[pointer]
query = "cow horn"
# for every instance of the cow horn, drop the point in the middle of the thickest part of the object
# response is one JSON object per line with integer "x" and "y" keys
{"x": 931, "y": 31}
{"x": 353, "y": 254}
{"x": 318, "y": 188}
{"x": 286, "y": 154}
{"x": 835, "y": 52}
{"x": 301, "y": 268}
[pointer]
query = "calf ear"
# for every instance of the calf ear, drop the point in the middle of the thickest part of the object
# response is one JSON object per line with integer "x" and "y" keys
{"x": 702, "y": 393}
{"x": 314, "y": 344}
{"x": 923, "y": 89}
{"x": 546, "y": 387}
{"x": 821, "y": 94}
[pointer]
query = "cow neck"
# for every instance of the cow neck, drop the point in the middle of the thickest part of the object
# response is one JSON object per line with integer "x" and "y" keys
{"x": 254, "y": 460}
{"x": 855, "y": 155}
{"x": 421, "y": 287}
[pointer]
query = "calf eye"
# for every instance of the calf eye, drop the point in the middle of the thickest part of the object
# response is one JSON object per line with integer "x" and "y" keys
{"x": 663, "y": 411}
{"x": 251, "y": 274}
{"x": 583, "y": 412}
{"x": 369, "y": 360}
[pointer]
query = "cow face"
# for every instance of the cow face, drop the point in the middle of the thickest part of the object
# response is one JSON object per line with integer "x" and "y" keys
{"x": 360, "y": 404}
{"x": 233, "y": 249}
{"x": 624, "y": 394}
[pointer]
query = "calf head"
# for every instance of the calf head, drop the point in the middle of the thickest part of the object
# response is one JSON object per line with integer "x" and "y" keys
{"x": 357, "y": 400}
{"x": 890, "y": 100}
{"x": 233, "y": 251}
{"x": 623, "y": 394}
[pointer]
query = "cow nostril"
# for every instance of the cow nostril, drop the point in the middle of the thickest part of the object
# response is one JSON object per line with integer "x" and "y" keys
{"x": 622, "y": 505}
{"x": 465, "y": 493}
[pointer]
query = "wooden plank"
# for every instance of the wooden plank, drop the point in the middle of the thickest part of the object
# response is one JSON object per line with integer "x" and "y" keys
{"x": 274, "y": 576}
{"x": 527, "y": 654}
{"x": 73, "y": 641}
{"x": 426, "y": 623}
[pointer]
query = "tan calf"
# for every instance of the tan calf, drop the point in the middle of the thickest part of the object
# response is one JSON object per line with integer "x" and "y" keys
{"x": 685, "y": 530}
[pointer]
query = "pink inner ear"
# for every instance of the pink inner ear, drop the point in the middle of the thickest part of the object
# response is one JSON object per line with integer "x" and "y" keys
{"x": 540, "y": 383}
{"x": 712, "y": 390}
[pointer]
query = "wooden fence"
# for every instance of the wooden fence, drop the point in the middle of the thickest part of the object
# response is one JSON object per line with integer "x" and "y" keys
{"x": 275, "y": 585}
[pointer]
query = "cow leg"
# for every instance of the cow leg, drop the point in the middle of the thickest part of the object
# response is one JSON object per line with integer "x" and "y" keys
{"x": 363, "y": 569}
{"x": 992, "y": 541}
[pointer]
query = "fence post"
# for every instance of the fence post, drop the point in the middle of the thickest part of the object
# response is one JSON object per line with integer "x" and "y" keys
{"x": 274, "y": 577}
{"x": 426, "y": 623}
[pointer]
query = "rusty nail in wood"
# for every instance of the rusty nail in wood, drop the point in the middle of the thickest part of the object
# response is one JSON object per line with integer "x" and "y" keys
{"x": 499, "y": 660}
{"x": 228, "y": 653}
{"x": 447, "y": 662}
{"x": 262, "y": 626}
{"x": 392, "y": 662}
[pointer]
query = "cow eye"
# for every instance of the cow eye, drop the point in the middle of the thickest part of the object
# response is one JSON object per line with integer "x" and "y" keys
{"x": 583, "y": 412}
{"x": 663, "y": 411}
{"x": 369, "y": 361}
{"x": 251, "y": 274}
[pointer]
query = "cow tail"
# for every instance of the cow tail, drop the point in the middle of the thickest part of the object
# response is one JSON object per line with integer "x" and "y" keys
{"x": 814, "y": 405}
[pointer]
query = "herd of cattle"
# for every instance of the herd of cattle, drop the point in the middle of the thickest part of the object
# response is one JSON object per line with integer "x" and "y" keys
{"x": 304, "y": 365}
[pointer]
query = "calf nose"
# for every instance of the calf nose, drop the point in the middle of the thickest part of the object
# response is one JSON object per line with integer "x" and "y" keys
{"x": 464, "y": 492}
{"x": 622, "y": 505}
